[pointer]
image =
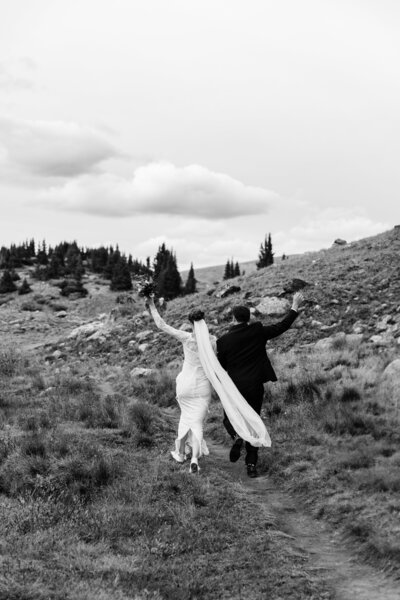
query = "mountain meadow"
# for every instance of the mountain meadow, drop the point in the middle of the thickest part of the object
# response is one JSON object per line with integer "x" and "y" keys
{"x": 92, "y": 506}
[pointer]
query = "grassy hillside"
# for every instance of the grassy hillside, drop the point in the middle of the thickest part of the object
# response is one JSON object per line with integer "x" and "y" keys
{"x": 91, "y": 504}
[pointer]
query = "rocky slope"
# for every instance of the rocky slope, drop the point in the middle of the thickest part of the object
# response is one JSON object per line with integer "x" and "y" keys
{"x": 349, "y": 289}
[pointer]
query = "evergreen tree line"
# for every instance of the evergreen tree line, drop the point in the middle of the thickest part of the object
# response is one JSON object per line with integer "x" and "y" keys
{"x": 265, "y": 259}
{"x": 69, "y": 262}
{"x": 231, "y": 269}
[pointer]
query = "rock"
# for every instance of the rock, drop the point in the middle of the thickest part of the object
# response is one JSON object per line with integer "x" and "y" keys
{"x": 323, "y": 344}
{"x": 86, "y": 330}
{"x": 140, "y": 372}
{"x": 271, "y": 305}
{"x": 295, "y": 285}
{"x": 339, "y": 242}
{"x": 392, "y": 371}
{"x": 132, "y": 343}
{"x": 143, "y": 335}
{"x": 143, "y": 347}
{"x": 315, "y": 323}
{"x": 381, "y": 340}
{"x": 99, "y": 334}
{"x": 61, "y": 314}
{"x": 327, "y": 327}
{"x": 210, "y": 291}
{"x": 337, "y": 340}
{"x": 228, "y": 291}
{"x": 57, "y": 354}
{"x": 383, "y": 324}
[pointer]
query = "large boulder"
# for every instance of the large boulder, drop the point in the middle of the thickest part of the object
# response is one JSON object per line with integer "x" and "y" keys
{"x": 227, "y": 291}
{"x": 339, "y": 340}
{"x": 382, "y": 340}
{"x": 339, "y": 242}
{"x": 392, "y": 371}
{"x": 273, "y": 306}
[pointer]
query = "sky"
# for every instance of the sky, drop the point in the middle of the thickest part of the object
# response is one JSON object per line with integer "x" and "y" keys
{"x": 202, "y": 124}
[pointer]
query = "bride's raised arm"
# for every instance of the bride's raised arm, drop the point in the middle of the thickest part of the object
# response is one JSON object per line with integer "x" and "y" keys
{"x": 161, "y": 324}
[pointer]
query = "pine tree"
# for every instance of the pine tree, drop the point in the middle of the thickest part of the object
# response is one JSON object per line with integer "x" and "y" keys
{"x": 270, "y": 253}
{"x": 166, "y": 275}
{"x": 236, "y": 271}
{"x": 25, "y": 288}
{"x": 121, "y": 276}
{"x": 266, "y": 256}
{"x": 113, "y": 258}
{"x": 72, "y": 260}
{"x": 6, "y": 283}
{"x": 228, "y": 270}
{"x": 190, "y": 285}
{"x": 55, "y": 269}
{"x": 41, "y": 256}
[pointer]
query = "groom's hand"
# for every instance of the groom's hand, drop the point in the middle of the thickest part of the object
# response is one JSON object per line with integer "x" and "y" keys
{"x": 298, "y": 300}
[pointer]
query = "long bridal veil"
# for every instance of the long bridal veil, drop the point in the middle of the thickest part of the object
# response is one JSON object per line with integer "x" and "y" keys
{"x": 245, "y": 421}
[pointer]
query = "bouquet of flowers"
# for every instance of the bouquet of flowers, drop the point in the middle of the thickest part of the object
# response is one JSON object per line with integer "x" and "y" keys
{"x": 146, "y": 288}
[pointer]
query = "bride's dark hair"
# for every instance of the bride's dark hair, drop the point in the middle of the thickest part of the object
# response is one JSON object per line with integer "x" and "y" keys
{"x": 196, "y": 315}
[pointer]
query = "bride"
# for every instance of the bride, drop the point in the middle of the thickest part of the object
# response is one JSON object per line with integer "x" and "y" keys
{"x": 201, "y": 372}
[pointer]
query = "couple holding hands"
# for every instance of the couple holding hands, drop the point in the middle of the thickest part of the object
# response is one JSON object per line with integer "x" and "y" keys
{"x": 236, "y": 366}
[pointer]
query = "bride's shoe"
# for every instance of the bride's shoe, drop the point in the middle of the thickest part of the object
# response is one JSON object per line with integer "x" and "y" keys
{"x": 178, "y": 457}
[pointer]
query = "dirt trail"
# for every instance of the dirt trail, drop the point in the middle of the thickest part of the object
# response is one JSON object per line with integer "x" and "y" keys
{"x": 325, "y": 551}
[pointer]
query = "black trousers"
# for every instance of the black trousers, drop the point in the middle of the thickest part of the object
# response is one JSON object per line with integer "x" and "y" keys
{"x": 254, "y": 395}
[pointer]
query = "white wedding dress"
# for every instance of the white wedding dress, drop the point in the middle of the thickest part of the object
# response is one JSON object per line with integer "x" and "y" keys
{"x": 193, "y": 389}
{"x": 201, "y": 371}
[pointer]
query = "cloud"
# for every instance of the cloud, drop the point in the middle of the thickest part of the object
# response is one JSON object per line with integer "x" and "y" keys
{"x": 161, "y": 188}
{"x": 50, "y": 148}
{"x": 321, "y": 230}
{"x": 17, "y": 75}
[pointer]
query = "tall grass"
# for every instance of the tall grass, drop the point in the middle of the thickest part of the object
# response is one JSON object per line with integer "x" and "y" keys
{"x": 335, "y": 437}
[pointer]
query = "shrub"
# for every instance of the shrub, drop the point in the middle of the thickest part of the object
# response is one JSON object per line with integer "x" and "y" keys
{"x": 158, "y": 388}
{"x": 350, "y": 394}
{"x": 98, "y": 412}
{"x": 31, "y": 306}
{"x": 141, "y": 414}
{"x": 7, "y": 284}
{"x": 73, "y": 287}
{"x": 357, "y": 459}
{"x": 379, "y": 479}
{"x": 341, "y": 419}
{"x": 10, "y": 362}
{"x": 303, "y": 390}
{"x": 83, "y": 478}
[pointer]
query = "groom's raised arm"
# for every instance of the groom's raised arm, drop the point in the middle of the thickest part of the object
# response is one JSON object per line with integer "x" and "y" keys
{"x": 272, "y": 331}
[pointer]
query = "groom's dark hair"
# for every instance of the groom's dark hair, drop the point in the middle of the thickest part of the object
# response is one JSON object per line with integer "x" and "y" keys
{"x": 241, "y": 313}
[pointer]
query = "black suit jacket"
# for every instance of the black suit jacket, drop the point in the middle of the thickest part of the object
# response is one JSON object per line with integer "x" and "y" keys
{"x": 242, "y": 352}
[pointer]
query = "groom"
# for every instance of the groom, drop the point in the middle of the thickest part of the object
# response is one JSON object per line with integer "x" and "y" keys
{"x": 242, "y": 354}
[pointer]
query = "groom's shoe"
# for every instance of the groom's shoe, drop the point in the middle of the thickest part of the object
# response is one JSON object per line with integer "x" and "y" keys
{"x": 234, "y": 454}
{"x": 194, "y": 468}
{"x": 252, "y": 470}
